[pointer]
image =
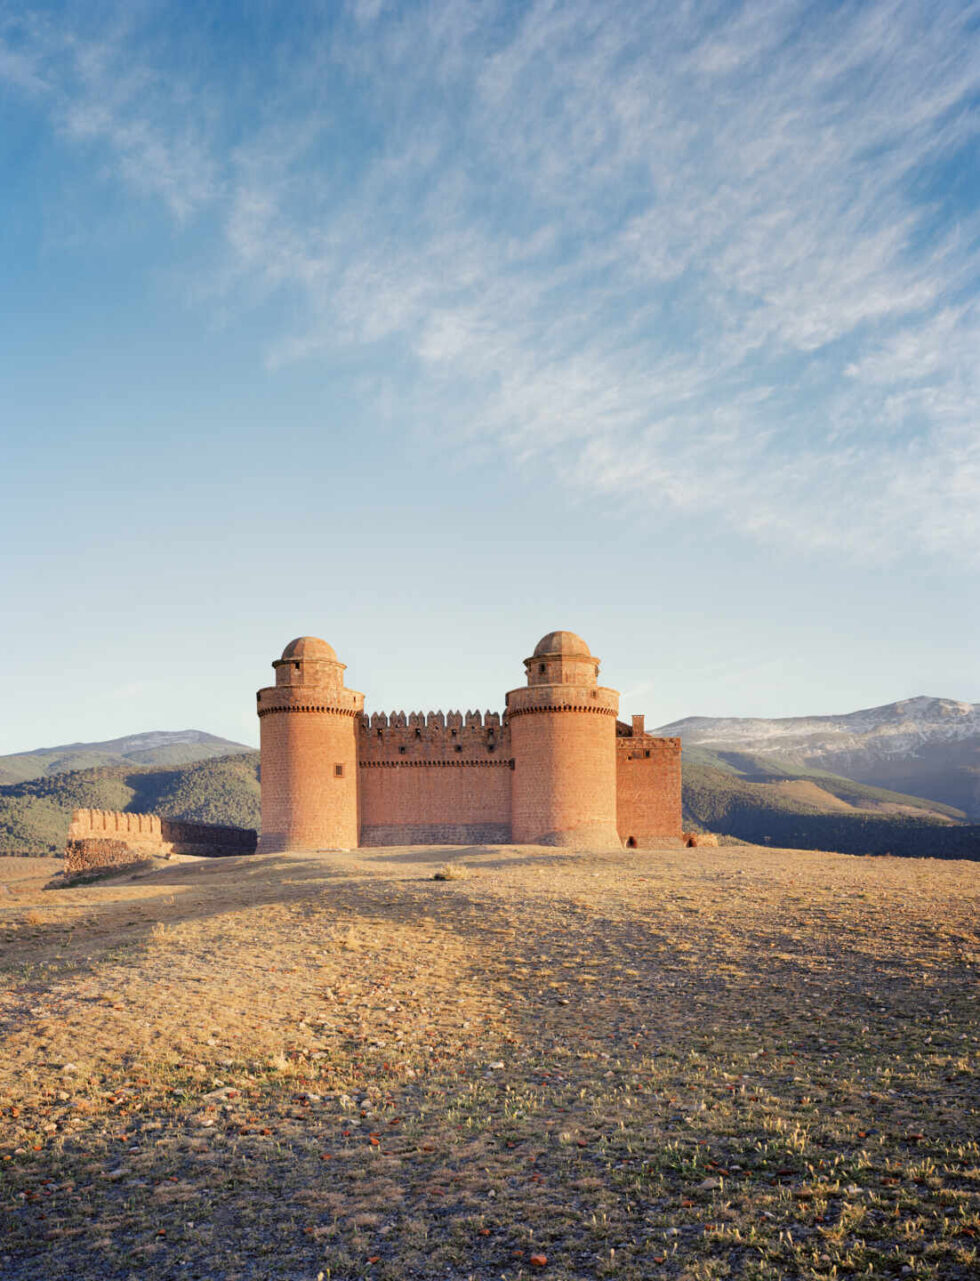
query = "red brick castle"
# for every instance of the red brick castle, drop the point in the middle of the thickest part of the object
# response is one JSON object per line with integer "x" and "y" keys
{"x": 558, "y": 768}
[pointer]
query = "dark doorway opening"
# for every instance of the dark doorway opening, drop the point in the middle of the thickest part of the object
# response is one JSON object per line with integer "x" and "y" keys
{"x": 631, "y": 842}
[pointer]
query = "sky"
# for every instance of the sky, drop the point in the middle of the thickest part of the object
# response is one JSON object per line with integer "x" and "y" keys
{"x": 429, "y": 328}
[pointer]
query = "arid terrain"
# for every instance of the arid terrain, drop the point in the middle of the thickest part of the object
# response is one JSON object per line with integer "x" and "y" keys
{"x": 708, "y": 1063}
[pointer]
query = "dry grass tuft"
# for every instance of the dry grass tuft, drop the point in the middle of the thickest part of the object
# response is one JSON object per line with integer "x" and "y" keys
{"x": 451, "y": 872}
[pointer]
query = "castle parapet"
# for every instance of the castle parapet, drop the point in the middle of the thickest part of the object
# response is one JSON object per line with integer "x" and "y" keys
{"x": 449, "y": 737}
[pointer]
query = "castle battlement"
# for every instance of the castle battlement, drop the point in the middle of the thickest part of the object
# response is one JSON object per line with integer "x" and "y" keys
{"x": 432, "y": 736}
{"x": 556, "y": 767}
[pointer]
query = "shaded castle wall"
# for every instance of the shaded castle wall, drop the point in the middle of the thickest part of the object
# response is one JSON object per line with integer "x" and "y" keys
{"x": 648, "y": 787}
{"x": 434, "y": 779}
{"x": 111, "y": 838}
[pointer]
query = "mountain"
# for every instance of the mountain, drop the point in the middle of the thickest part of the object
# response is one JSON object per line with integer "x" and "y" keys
{"x": 768, "y": 801}
{"x": 34, "y": 815}
{"x": 926, "y": 747}
{"x": 159, "y": 747}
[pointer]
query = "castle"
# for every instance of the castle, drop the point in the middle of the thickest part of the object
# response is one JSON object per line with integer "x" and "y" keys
{"x": 558, "y": 768}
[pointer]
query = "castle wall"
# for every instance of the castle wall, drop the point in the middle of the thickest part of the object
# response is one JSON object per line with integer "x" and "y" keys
{"x": 564, "y": 774}
{"x": 111, "y": 838}
{"x": 309, "y": 780}
{"x": 551, "y": 771}
{"x": 434, "y": 779}
{"x": 648, "y": 789}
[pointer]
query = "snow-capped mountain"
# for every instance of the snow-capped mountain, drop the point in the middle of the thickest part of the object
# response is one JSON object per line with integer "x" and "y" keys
{"x": 925, "y": 746}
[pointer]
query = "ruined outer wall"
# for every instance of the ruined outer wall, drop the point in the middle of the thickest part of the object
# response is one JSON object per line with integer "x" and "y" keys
{"x": 111, "y": 838}
{"x": 430, "y": 779}
{"x": 648, "y": 788}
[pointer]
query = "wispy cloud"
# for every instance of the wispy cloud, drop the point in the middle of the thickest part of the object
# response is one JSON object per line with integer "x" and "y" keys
{"x": 700, "y": 260}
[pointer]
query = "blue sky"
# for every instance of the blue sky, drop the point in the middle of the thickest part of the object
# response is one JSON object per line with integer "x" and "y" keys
{"x": 429, "y": 328}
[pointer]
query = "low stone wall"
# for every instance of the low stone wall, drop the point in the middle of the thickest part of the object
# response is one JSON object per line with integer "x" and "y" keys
{"x": 111, "y": 838}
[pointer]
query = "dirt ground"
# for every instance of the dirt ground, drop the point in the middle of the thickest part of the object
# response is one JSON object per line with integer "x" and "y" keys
{"x": 706, "y": 1063}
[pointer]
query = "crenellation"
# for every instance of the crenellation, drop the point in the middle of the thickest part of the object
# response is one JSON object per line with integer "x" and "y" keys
{"x": 115, "y": 838}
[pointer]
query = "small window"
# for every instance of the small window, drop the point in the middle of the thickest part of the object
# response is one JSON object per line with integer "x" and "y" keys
{"x": 541, "y": 668}
{"x": 647, "y": 754}
{"x": 338, "y": 771}
{"x": 458, "y": 747}
{"x": 296, "y": 665}
{"x": 401, "y": 751}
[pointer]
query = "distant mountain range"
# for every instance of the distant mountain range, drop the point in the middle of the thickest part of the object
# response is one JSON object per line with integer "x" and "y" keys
{"x": 159, "y": 747}
{"x": 763, "y": 781}
{"x": 927, "y": 747}
{"x": 34, "y": 815}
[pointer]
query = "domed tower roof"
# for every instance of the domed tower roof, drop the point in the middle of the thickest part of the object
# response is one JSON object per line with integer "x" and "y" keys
{"x": 562, "y": 658}
{"x": 309, "y": 647}
{"x": 565, "y": 643}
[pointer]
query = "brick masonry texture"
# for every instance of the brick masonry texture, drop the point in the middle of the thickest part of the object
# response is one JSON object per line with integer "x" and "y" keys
{"x": 110, "y": 838}
{"x": 648, "y": 785}
{"x": 557, "y": 768}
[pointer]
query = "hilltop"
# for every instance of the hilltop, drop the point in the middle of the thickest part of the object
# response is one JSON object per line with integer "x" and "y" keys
{"x": 157, "y": 747}
{"x": 680, "y": 1064}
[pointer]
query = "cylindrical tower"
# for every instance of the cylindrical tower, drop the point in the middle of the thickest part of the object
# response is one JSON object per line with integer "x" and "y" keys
{"x": 308, "y": 722}
{"x": 563, "y": 739}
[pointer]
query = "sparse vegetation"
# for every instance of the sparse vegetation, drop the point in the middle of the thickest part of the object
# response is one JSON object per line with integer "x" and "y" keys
{"x": 34, "y": 816}
{"x": 712, "y": 1063}
{"x": 751, "y": 802}
{"x": 451, "y": 872}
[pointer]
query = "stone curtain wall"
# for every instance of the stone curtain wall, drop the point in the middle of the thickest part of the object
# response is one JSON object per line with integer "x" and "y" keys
{"x": 434, "y": 779}
{"x": 447, "y": 779}
{"x": 111, "y": 838}
{"x": 461, "y": 802}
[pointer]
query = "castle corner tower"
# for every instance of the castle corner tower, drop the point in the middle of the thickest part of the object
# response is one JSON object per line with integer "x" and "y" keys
{"x": 563, "y": 740}
{"x": 308, "y": 729}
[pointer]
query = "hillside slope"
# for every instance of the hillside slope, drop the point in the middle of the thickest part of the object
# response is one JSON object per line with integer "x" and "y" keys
{"x": 158, "y": 747}
{"x": 34, "y": 815}
{"x": 928, "y": 747}
{"x": 768, "y": 802}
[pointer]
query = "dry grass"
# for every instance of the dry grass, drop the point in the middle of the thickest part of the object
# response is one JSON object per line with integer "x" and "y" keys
{"x": 451, "y": 872}
{"x": 695, "y": 1064}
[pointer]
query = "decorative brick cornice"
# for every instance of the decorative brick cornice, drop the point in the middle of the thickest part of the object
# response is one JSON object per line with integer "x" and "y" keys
{"x": 310, "y": 707}
{"x": 562, "y": 707}
{"x": 408, "y": 763}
